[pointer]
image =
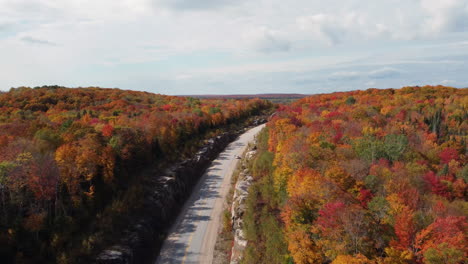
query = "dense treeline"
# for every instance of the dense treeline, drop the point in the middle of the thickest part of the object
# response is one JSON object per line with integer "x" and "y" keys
{"x": 376, "y": 176}
{"x": 262, "y": 218}
{"x": 69, "y": 160}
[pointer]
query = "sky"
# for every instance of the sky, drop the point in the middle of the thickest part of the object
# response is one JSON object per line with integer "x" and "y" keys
{"x": 233, "y": 46}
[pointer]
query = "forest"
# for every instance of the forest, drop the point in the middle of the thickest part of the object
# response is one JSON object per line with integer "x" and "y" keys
{"x": 365, "y": 177}
{"x": 71, "y": 161}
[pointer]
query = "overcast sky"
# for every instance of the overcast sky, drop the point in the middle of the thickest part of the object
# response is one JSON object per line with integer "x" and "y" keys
{"x": 233, "y": 46}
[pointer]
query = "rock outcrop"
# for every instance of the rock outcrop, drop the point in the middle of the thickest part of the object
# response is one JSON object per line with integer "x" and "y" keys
{"x": 238, "y": 209}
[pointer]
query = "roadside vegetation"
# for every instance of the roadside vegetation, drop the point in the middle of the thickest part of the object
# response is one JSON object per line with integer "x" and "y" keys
{"x": 262, "y": 220}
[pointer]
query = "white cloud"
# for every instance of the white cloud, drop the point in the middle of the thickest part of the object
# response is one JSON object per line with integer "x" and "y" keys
{"x": 446, "y": 15}
{"x": 381, "y": 73}
{"x": 400, "y": 20}
{"x": 448, "y": 82}
{"x": 4, "y": 26}
{"x": 267, "y": 40}
{"x": 384, "y": 73}
{"x": 344, "y": 76}
{"x": 291, "y": 66}
{"x": 195, "y": 4}
{"x": 342, "y": 26}
{"x": 323, "y": 26}
{"x": 35, "y": 41}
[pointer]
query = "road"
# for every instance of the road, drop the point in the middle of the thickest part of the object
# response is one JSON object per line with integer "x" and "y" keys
{"x": 193, "y": 236}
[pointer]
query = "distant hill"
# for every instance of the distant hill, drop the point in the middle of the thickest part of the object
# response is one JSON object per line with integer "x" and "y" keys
{"x": 239, "y": 96}
{"x": 274, "y": 98}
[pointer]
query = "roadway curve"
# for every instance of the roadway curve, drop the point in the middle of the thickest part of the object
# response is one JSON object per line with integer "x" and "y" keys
{"x": 193, "y": 236}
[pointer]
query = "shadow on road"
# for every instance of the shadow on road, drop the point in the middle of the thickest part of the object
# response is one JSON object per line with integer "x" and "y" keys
{"x": 222, "y": 157}
{"x": 176, "y": 254}
{"x": 213, "y": 164}
{"x": 235, "y": 145}
{"x": 188, "y": 226}
{"x": 191, "y": 231}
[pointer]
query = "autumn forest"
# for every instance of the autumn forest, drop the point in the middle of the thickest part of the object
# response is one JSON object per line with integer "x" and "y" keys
{"x": 375, "y": 176}
{"x": 367, "y": 177}
{"x": 72, "y": 162}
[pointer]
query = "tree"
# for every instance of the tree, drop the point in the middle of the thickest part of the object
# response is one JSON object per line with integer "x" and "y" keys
{"x": 397, "y": 256}
{"x": 395, "y": 146}
{"x": 43, "y": 179}
{"x": 443, "y": 238}
{"x": 404, "y": 230}
{"x": 444, "y": 253}
{"x": 369, "y": 148}
{"x": 347, "y": 259}
{"x": 302, "y": 248}
{"x": 436, "y": 185}
{"x": 107, "y": 130}
{"x": 447, "y": 155}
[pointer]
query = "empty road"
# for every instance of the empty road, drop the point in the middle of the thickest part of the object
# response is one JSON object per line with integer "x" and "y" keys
{"x": 193, "y": 236}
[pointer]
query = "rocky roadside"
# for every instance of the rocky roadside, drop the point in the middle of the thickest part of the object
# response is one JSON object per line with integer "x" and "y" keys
{"x": 230, "y": 246}
{"x": 238, "y": 208}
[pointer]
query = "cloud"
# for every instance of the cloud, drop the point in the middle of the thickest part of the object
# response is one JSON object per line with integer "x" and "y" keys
{"x": 4, "y": 27}
{"x": 326, "y": 27}
{"x": 345, "y": 76}
{"x": 195, "y": 4}
{"x": 35, "y": 41}
{"x": 445, "y": 16}
{"x": 305, "y": 82}
{"x": 384, "y": 73}
{"x": 448, "y": 82}
{"x": 400, "y": 20}
{"x": 267, "y": 40}
{"x": 336, "y": 28}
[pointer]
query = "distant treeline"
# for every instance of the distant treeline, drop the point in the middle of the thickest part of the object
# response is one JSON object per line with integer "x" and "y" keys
{"x": 274, "y": 98}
